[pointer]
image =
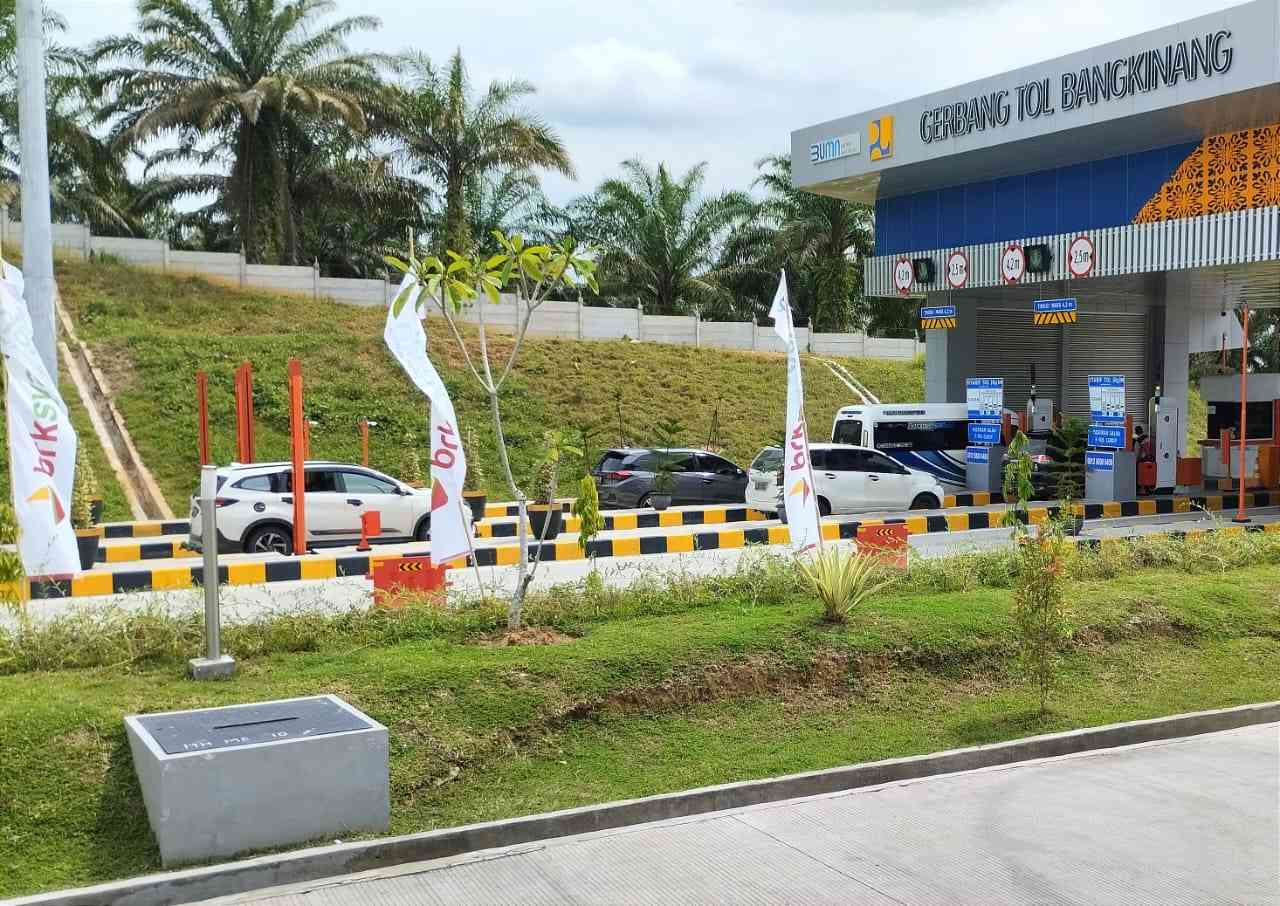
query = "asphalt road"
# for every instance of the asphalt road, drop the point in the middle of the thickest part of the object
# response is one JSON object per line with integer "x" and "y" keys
{"x": 1185, "y": 821}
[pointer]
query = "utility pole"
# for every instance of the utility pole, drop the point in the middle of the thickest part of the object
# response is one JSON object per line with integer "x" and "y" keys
{"x": 37, "y": 231}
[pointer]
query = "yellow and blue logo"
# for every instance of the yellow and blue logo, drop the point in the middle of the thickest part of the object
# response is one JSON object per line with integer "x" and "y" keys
{"x": 880, "y": 137}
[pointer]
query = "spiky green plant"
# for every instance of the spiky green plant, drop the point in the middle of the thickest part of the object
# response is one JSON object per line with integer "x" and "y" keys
{"x": 843, "y": 579}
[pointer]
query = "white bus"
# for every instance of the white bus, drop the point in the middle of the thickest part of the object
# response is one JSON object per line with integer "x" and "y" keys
{"x": 925, "y": 437}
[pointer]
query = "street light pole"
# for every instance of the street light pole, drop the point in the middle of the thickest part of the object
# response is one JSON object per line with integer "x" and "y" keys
{"x": 37, "y": 231}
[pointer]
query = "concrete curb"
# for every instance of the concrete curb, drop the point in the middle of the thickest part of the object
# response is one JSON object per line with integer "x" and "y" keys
{"x": 196, "y": 884}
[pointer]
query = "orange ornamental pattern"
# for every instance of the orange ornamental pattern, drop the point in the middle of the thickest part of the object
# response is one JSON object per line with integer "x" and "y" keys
{"x": 1229, "y": 172}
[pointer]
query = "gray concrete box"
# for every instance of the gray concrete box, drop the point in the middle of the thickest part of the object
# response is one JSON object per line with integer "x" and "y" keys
{"x": 221, "y": 781}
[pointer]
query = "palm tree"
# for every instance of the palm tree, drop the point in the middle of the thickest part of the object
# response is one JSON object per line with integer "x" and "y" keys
{"x": 87, "y": 179}
{"x": 455, "y": 139}
{"x": 510, "y": 201}
{"x": 661, "y": 237}
{"x": 244, "y": 75}
{"x": 825, "y": 239}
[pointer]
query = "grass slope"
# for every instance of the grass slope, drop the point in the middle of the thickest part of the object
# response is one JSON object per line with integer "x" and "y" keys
{"x": 151, "y": 332}
{"x": 644, "y": 703}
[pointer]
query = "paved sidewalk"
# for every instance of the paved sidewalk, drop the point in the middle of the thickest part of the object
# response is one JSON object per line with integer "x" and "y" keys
{"x": 1186, "y": 821}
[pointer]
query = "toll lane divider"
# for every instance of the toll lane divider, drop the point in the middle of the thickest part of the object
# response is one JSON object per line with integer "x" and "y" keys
{"x": 613, "y": 522}
{"x": 330, "y": 567}
{"x": 157, "y": 528}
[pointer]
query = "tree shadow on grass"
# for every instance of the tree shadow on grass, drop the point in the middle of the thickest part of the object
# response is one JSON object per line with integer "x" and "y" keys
{"x": 1021, "y": 721}
{"x": 123, "y": 844}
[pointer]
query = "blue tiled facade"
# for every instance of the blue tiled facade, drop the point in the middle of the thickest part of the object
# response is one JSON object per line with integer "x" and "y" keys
{"x": 1089, "y": 196}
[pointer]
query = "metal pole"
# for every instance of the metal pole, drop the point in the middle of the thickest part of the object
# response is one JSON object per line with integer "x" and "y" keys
{"x": 214, "y": 664}
{"x": 37, "y": 232}
{"x": 1244, "y": 398}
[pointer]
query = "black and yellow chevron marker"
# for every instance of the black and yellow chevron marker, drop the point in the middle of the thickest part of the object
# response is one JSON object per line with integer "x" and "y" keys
{"x": 1049, "y": 318}
{"x": 102, "y": 582}
{"x": 937, "y": 323}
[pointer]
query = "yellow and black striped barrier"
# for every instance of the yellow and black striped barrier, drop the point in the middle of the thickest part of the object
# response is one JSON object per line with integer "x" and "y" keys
{"x": 1049, "y": 318}
{"x": 335, "y": 566}
{"x": 937, "y": 323}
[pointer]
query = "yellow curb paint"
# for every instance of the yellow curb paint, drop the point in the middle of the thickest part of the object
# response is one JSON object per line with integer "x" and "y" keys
{"x": 668, "y": 519}
{"x": 733, "y": 538}
{"x": 171, "y": 577}
{"x": 713, "y": 517}
{"x": 780, "y": 534}
{"x": 917, "y": 525}
{"x": 1111, "y": 509}
{"x": 508, "y": 555}
{"x": 91, "y": 584}
{"x": 948, "y": 501}
{"x": 957, "y": 522}
{"x": 568, "y": 550}
{"x": 982, "y": 498}
{"x": 755, "y": 515}
{"x": 180, "y": 552}
{"x": 1213, "y": 504}
{"x": 626, "y": 547}
{"x": 494, "y": 511}
{"x": 571, "y": 524}
{"x": 624, "y": 521}
{"x": 484, "y": 530}
{"x": 830, "y": 531}
{"x": 147, "y": 529}
{"x": 1146, "y": 507}
{"x": 119, "y": 553}
{"x": 1182, "y": 504}
{"x": 320, "y": 569}
{"x": 679, "y": 544}
{"x": 1037, "y": 515}
{"x": 246, "y": 573}
{"x": 1271, "y": 527}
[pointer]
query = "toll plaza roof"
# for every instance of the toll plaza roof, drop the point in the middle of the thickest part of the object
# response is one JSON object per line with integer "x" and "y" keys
{"x": 1208, "y": 75}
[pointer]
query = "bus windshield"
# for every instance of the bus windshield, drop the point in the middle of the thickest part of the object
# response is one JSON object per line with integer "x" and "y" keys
{"x": 921, "y": 435}
{"x": 847, "y": 431}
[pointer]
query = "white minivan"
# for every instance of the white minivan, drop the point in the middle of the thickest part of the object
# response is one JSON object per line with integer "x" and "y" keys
{"x": 848, "y": 479}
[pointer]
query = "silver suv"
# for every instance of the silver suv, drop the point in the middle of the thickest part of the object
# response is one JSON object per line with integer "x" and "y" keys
{"x": 255, "y": 507}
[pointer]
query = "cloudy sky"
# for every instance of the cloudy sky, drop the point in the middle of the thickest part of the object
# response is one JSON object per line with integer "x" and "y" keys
{"x": 723, "y": 81}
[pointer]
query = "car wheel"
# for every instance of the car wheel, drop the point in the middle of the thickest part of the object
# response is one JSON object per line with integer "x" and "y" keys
{"x": 423, "y": 531}
{"x": 644, "y": 502}
{"x": 270, "y": 539}
{"x": 824, "y": 507}
{"x": 925, "y": 502}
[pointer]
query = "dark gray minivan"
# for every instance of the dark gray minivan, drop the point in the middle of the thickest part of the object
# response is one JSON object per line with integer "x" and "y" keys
{"x": 625, "y": 478}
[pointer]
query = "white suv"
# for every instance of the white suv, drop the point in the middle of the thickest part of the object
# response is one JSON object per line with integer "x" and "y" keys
{"x": 255, "y": 507}
{"x": 848, "y": 479}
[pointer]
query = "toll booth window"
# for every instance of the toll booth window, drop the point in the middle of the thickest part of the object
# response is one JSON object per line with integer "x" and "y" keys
{"x": 923, "y": 435}
{"x": 848, "y": 431}
{"x": 1226, "y": 417}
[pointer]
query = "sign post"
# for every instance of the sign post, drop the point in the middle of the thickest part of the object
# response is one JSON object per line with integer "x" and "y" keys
{"x": 214, "y": 664}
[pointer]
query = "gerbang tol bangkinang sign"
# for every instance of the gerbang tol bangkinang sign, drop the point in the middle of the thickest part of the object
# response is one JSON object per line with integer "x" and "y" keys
{"x": 1164, "y": 67}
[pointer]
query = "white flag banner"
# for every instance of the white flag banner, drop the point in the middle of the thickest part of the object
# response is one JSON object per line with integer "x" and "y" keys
{"x": 450, "y": 526}
{"x": 798, "y": 492}
{"x": 42, "y": 443}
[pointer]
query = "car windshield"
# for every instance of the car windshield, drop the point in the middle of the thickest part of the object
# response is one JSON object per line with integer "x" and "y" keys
{"x": 767, "y": 460}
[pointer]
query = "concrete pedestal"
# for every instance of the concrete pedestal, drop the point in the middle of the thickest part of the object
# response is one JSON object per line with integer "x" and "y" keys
{"x": 1120, "y": 484}
{"x": 221, "y": 781}
{"x": 203, "y": 668}
{"x": 987, "y": 477}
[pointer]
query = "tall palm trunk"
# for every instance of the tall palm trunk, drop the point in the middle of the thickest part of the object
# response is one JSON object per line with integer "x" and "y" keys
{"x": 457, "y": 225}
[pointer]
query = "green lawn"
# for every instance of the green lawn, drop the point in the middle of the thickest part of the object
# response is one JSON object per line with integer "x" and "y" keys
{"x": 150, "y": 333}
{"x": 664, "y": 691}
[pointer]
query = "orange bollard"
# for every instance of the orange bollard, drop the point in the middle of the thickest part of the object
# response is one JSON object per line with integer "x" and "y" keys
{"x": 202, "y": 416}
{"x": 244, "y": 412}
{"x": 297, "y": 426}
{"x": 370, "y": 524}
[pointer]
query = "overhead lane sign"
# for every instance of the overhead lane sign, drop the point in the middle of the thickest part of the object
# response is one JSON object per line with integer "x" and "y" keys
{"x": 939, "y": 317}
{"x": 1048, "y": 312}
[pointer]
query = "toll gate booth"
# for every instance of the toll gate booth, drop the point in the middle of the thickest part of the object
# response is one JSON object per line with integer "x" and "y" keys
{"x": 1109, "y": 212}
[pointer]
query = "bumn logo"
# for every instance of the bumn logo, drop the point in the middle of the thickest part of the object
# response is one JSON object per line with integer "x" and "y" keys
{"x": 880, "y": 137}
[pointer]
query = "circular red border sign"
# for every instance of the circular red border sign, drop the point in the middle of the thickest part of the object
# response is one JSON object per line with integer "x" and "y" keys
{"x": 1071, "y": 257}
{"x": 1022, "y": 263}
{"x": 964, "y": 276}
{"x": 898, "y": 273}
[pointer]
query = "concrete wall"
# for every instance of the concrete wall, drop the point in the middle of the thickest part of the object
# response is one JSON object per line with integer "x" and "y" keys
{"x": 553, "y": 319}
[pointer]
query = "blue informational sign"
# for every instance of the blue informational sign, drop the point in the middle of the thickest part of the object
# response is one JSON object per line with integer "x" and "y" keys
{"x": 1107, "y": 437}
{"x": 1053, "y": 306}
{"x": 979, "y": 456}
{"x": 985, "y": 398}
{"x": 984, "y": 432}
{"x": 1098, "y": 461}
{"x": 1106, "y": 398}
{"x": 940, "y": 311}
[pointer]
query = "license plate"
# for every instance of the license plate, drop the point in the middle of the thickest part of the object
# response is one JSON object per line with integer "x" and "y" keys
{"x": 762, "y": 485}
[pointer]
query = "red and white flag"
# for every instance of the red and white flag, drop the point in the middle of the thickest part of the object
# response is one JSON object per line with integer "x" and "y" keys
{"x": 405, "y": 337}
{"x": 798, "y": 492}
{"x": 42, "y": 443}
